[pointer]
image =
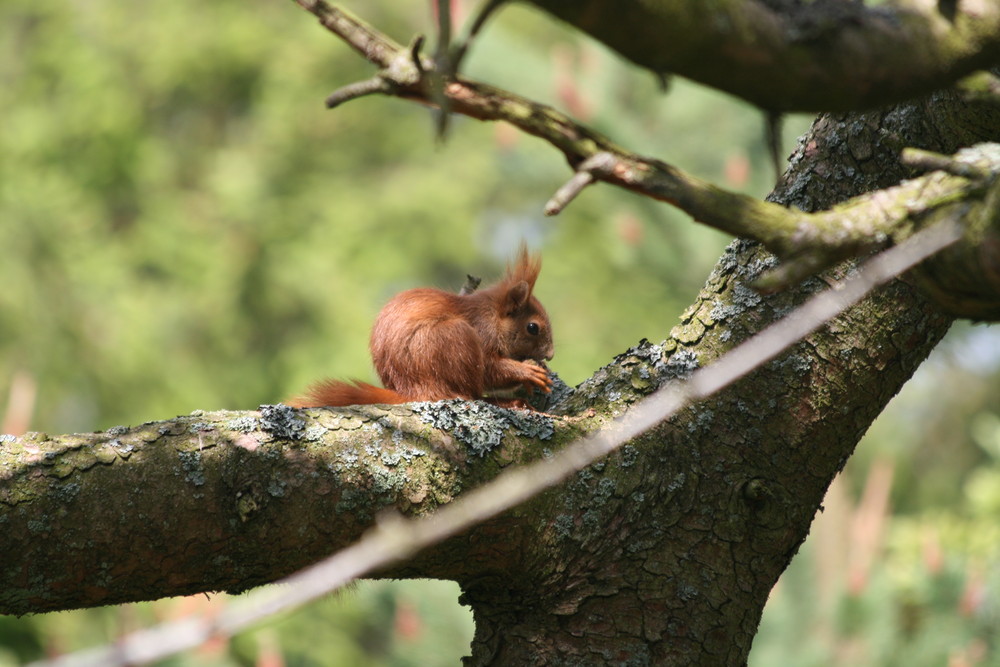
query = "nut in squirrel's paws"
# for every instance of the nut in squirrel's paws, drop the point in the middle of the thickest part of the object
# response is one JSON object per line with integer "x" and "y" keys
{"x": 541, "y": 375}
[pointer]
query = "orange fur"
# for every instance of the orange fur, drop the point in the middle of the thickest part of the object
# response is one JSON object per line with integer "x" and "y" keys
{"x": 336, "y": 392}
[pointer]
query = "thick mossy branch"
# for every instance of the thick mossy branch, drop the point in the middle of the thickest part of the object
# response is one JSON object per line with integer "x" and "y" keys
{"x": 783, "y": 55}
{"x": 231, "y": 500}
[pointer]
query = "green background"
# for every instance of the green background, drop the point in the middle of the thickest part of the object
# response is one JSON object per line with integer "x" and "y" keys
{"x": 184, "y": 226}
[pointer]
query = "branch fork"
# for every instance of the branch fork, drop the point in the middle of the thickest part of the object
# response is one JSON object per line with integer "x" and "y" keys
{"x": 405, "y": 71}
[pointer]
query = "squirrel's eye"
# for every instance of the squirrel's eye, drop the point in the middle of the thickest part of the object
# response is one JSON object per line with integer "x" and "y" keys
{"x": 533, "y": 328}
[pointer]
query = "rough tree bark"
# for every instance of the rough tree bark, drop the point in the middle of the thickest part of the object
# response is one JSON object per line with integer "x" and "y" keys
{"x": 662, "y": 554}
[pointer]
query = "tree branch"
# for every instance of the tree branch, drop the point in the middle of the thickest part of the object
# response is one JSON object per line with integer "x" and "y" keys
{"x": 266, "y": 493}
{"x": 810, "y": 242}
{"x": 781, "y": 55}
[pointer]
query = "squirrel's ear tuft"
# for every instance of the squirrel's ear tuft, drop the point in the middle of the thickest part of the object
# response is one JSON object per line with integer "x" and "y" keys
{"x": 526, "y": 268}
{"x": 517, "y": 296}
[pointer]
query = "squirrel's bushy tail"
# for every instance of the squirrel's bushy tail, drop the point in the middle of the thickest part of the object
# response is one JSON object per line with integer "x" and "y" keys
{"x": 330, "y": 393}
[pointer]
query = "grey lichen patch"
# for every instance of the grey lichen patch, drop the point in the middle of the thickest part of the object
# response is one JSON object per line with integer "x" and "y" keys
{"x": 399, "y": 452}
{"x": 65, "y": 492}
{"x": 687, "y": 592}
{"x": 644, "y": 364}
{"x": 314, "y": 432}
{"x": 676, "y": 483}
{"x": 561, "y": 392}
{"x": 482, "y": 426}
{"x": 116, "y": 431}
{"x": 563, "y": 526}
{"x": 738, "y": 268}
{"x": 752, "y": 269}
{"x": 741, "y": 299}
{"x": 386, "y": 483}
{"x": 281, "y": 421}
{"x": 638, "y": 371}
{"x": 354, "y": 500}
{"x": 276, "y": 487}
{"x": 645, "y": 352}
{"x": 348, "y": 461}
{"x": 702, "y": 419}
{"x": 38, "y": 525}
{"x": 390, "y": 459}
{"x": 590, "y": 497}
{"x": 191, "y": 467}
{"x": 797, "y": 363}
{"x": 243, "y": 424}
{"x": 731, "y": 257}
{"x": 200, "y": 427}
{"x": 721, "y": 311}
{"x": 746, "y": 297}
{"x": 681, "y": 365}
{"x": 7, "y": 438}
{"x": 629, "y": 455}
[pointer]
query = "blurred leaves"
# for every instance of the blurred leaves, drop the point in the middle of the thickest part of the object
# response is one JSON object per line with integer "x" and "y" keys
{"x": 185, "y": 227}
{"x": 930, "y": 594}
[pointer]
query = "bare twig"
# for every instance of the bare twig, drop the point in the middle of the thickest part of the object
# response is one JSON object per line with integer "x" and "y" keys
{"x": 352, "y": 91}
{"x": 471, "y": 284}
{"x": 415, "y": 46}
{"x": 568, "y": 192}
{"x": 441, "y": 55}
{"x": 587, "y": 172}
{"x": 461, "y": 49}
{"x": 443, "y": 69}
{"x": 373, "y": 45}
{"x": 773, "y": 121}
{"x": 394, "y": 538}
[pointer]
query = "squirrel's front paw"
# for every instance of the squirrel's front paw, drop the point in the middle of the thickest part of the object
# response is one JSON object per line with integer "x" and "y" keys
{"x": 538, "y": 376}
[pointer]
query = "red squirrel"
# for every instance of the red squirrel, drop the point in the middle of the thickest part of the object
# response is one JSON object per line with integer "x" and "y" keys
{"x": 429, "y": 345}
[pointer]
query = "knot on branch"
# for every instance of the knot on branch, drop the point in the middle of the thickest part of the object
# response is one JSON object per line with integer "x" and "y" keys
{"x": 405, "y": 70}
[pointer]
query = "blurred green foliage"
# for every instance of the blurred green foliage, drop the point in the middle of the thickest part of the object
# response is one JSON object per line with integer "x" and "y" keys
{"x": 915, "y": 582}
{"x": 402, "y": 624}
{"x": 185, "y": 227}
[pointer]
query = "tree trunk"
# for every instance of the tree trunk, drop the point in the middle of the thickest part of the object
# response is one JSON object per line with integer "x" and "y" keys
{"x": 665, "y": 554}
